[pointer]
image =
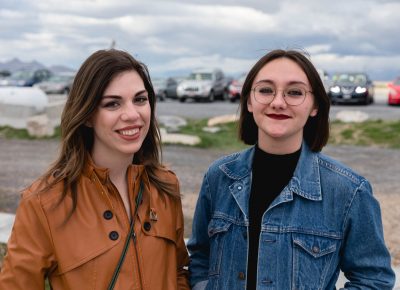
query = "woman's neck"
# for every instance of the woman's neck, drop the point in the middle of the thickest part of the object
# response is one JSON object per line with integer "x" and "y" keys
{"x": 279, "y": 147}
{"x": 116, "y": 165}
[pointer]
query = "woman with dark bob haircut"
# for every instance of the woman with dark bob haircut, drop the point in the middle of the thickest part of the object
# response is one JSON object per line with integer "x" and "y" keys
{"x": 107, "y": 214}
{"x": 280, "y": 214}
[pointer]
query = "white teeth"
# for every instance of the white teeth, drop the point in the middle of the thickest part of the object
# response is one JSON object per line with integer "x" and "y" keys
{"x": 129, "y": 132}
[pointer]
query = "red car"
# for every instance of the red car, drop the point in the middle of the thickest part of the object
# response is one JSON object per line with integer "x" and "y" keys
{"x": 235, "y": 88}
{"x": 394, "y": 92}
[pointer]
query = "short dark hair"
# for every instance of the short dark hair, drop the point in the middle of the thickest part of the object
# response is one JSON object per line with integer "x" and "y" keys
{"x": 316, "y": 130}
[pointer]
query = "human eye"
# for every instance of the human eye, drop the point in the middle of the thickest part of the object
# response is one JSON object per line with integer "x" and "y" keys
{"x": 294, "y": 92}
{"x": 141, "y": 99}
{"x": 265, "y": 90}
{"x": 111, "y": 105}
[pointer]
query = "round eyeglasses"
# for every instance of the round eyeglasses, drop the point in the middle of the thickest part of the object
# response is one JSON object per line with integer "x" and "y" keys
{"x": 293, "y": 96}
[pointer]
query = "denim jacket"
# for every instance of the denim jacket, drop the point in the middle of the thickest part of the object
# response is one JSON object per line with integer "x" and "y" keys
{"x": 324, "y": 220}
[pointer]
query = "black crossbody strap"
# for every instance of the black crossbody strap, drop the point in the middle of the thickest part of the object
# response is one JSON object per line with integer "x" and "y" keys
{"x": 127, "y": 241}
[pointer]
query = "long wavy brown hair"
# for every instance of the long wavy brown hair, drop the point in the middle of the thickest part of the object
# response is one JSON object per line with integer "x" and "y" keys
{"x": 90, "y": 82}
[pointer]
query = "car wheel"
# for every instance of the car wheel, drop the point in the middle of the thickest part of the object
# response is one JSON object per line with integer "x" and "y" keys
{"x": 182, "y": 100}
{"x": 163, "y": 96}
{"x": 225, "y": 95}
{"x": 211, "y": 97}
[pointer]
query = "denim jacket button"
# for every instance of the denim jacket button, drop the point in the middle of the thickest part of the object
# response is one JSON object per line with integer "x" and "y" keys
{"x": 239, "y": 187}
{"x": 315, "y": 250}
{"x": 241, "y": 276}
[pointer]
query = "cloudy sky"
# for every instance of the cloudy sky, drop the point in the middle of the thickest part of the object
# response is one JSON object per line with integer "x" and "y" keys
{"x": 173, "y": 37}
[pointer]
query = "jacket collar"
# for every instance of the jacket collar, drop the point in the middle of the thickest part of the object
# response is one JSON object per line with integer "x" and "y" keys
{"x": 90, "y": 170}
{"x": 100, "y": 177}
{"x": 305, "y": 181}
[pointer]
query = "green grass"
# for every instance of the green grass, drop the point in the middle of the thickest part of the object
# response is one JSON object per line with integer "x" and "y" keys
{"x": 226, "y": 138}
{"x": 378, "y": 133}
{"x": 12, "y": 133}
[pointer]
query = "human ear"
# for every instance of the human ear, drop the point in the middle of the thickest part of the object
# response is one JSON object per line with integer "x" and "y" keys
{"x": 314, "y": 112}
{"x": 249, "y": 105}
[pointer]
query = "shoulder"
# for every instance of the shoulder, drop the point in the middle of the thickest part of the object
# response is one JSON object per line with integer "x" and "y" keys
{"x": 339, "y": 169}
{"x": 38, "y": 191}
{"x": 166, "y": 175}
{"x": 236, "y": 157}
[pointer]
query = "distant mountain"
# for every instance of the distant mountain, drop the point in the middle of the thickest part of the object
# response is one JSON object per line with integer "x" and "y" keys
{"x": 16, "y": 64}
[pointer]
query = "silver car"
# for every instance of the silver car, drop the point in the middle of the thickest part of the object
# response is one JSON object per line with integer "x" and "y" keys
{"x": 202, "y": 84}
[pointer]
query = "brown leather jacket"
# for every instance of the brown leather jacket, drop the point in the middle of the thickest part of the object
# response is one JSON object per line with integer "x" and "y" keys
{"x": 83, "y": 252}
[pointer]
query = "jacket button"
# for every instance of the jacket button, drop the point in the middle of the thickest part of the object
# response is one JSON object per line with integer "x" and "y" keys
{"x": 108, "y": 214}
{"x": 241, "y": 276}
{"x": 147, "y": 226}
{"x": 315, "y": 250}
{"x": 113, "y": 236}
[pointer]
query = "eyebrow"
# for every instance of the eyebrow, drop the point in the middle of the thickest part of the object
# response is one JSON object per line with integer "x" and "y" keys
{"x": 119, "y": 97}
{"x": 289, "y": 83}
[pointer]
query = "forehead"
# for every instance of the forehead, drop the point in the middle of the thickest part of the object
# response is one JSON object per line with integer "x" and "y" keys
{"x": 282, "y": 71}
{"x": 130, "y": 80}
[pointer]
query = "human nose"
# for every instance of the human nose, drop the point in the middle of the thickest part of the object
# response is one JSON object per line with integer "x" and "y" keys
{"x": 278, "y": 99}
{"x": 129, "y": 112}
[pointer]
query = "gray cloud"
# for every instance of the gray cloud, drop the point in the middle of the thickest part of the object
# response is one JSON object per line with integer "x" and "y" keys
{"x": 173, "y": 37}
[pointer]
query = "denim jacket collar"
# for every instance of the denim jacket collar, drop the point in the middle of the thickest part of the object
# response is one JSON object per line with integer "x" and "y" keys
{"x": 305, "y": 181}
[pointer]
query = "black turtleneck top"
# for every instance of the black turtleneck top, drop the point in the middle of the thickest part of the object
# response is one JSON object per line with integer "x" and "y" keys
{"x": 270, "y": 174}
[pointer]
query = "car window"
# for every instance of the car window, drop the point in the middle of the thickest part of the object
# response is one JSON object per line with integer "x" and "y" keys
{"x": 351, "y": 78}
{"x": 200, "y": 76}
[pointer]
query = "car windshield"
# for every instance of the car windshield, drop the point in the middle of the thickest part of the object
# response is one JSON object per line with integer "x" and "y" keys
{"x": 60, "y": 78}
{"x": 350, "y": 78}
{"x": 200, "y": 76}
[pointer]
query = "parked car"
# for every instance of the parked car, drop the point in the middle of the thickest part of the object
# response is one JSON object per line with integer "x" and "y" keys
{"x": 160, "y": 86}
{"x": 202, "y": 84}
{"x": 171, "y": 87}
{"x": 26, "y": 78}
{"x": 351, "y": 88}
{"x": 394, "y": 92}
{"x": 235, "y": 88}
{"x": 57, "y": 84}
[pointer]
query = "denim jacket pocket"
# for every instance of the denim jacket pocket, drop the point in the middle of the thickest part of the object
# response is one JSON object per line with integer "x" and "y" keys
{"x": 217, "y": 229}
{"x": 312, "y": 260}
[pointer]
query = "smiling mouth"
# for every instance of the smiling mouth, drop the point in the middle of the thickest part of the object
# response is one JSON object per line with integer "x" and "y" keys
{"x": 129, "y": 132}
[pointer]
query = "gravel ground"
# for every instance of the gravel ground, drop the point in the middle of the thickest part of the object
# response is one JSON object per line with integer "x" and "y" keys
{"x": 22, "y": 161}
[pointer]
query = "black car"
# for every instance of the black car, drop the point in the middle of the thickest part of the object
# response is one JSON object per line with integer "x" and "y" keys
{"x": 355, "y": 88}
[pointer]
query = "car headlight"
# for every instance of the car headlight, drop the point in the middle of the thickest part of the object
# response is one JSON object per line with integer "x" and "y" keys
{"x": 335, "y": 89}
{"x": 360, "y": 90}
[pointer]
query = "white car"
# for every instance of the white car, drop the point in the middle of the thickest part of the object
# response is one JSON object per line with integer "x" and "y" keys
{"x": 202, "y": 84}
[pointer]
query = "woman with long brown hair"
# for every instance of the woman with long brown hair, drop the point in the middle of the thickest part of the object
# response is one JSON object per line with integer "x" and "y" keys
{"x": 107, "y": 214}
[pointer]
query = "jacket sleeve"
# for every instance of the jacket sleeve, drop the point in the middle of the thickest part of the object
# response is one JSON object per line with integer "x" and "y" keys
{"x": 199, "y": 244}
{"x": 29, "y": 256}
{"x": 182, "y": 254}
{"x": 365, "y": 259}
